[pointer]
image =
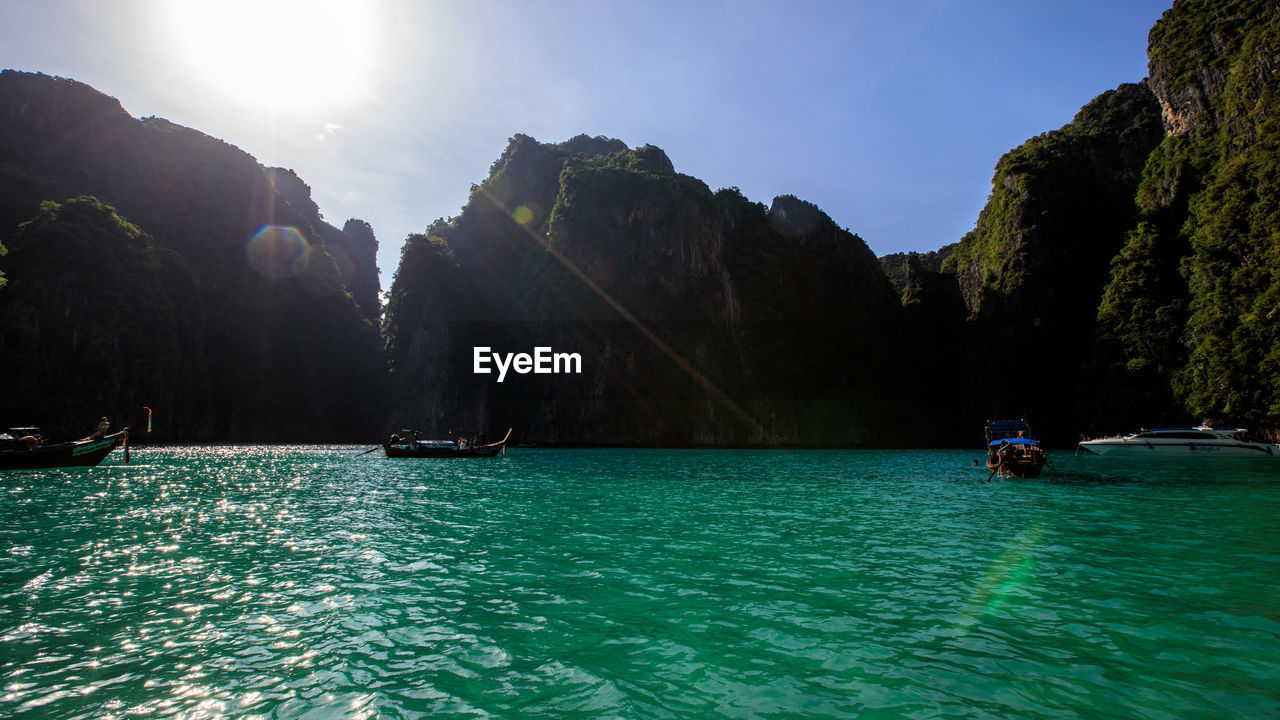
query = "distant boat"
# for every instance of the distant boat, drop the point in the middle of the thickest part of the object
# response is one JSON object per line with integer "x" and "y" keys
{"x": 1199, "y": 441}
{"x": 18, "y": 453}
{"x": 1012, "y": 451}
{"x": 399, "y": 447}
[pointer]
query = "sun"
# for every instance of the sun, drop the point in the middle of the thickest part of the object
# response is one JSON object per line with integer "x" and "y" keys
{"x": 278, "y": 53}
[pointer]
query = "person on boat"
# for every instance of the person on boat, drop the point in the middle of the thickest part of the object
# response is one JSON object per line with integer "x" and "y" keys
{"x": 462, "y": 443}
{"x": 103, "y": 426}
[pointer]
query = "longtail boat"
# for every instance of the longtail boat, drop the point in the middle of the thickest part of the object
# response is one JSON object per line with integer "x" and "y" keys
{"x": 19, "y": 454}
{"x": 1012, "y": 451}
{"x": 398, "y": 447}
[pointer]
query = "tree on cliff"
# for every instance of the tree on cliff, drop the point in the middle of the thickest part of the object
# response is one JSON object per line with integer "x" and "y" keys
{"x": 93, "y": 319}
{"x": 1189, "y": 321}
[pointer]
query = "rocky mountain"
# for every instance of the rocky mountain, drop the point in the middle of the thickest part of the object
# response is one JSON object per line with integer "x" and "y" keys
{"x": 1124, "y": 269}
{"x": 150, "y": 264}
{"x": 1123, "y": 272}
{"x": 1031, "y": 273}
{"x": 701, "y": 318}
{"x": 1188, "y": 321}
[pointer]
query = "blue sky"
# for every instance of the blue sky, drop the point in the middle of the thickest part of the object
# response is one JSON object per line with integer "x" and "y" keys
{"x": 890, "y": 116}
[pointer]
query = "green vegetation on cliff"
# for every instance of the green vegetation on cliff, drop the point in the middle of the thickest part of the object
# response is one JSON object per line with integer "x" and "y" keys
{"x": 228, "y": 332}
{"x": 671, "y": 293}
{"x": 1124, "y": 271}
{"x": 96, "y": 317}
{"x": 1188, "y": 321}
{"x": 1032, "y": 271}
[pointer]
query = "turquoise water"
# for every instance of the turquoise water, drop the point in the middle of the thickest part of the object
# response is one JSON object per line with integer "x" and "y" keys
{"x": 283, "y": 582}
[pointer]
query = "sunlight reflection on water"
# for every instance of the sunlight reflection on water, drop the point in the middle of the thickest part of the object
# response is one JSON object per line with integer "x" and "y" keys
{"x": 306, "y": 581}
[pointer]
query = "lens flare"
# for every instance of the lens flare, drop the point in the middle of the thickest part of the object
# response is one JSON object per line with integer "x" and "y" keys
{"x": 278, "y": 251}
{"x": 526, "y": 214}
{"x": 1007, "y": 575}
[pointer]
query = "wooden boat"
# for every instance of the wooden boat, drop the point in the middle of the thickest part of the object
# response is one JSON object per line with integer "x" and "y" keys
{"x": 1012, "y": 451}
{"x": 399, "y": 447}
{"x": 88, "y": 452}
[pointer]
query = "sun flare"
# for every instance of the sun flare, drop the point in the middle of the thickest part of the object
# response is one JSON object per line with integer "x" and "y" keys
{"x": 278, "y": 52}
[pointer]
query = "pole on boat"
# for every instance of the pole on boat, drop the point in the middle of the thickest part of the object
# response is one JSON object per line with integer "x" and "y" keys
{"x": 366, "y": 452}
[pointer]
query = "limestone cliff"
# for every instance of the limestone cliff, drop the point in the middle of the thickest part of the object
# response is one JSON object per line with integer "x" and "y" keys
{"x": 701, "y": 318}
{"x": 251, "y": 332}
{"x": 1124, "y": 270}
{"x": 1188, "y": 321}
{"x": 1031, "y": 272}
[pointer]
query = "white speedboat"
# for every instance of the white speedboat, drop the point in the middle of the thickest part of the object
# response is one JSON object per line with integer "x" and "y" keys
{"x": 1201, "y": 441}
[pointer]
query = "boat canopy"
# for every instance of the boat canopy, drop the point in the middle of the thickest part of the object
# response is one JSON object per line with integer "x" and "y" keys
{"x": 1014, "y": 441}
{"x": 998, "y": 430}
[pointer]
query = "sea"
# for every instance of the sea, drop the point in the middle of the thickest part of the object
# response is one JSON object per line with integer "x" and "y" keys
{"x": 323, "y": 582}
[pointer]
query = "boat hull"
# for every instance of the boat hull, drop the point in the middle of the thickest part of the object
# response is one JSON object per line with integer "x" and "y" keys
{"x": 81, "y": 453}
{"x": 1018, "y": 469}
{"x": 1178, "y": 449}
{"x": 404, "y": 451}
{"x": 443, "y": 451}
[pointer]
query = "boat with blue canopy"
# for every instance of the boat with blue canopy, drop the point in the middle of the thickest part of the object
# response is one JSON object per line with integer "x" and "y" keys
{"x": 1012, "y": 450}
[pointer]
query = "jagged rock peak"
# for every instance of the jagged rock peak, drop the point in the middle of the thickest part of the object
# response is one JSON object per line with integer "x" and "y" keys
{"x": 598, "y": 145}
{"x": 794, "y": 217}
{"x": 524, "y": 151}
{"x": 1191, "y": 49}
{"x": 293, "y": 188}
{"x": 1115, "y": 111}
{"x": 652, "y": 159}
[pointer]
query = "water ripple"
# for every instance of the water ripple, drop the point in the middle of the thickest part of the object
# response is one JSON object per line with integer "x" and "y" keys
{"x": 307, "y": 582}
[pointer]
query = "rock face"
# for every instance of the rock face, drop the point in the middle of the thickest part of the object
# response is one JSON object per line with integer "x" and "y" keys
{"x": 1122, "y": 273}
{"x": 1031, "y": 272}
{"x": 901, "y": 267}
{"x": 247, "y": 330}
{"x": 97, "y": 319}
{"x": 701, "y": 318}
{"x": 1188, "y": 321}
{"x": 1001, "y": 323}
{"x": 354, "y": 248}
{"x": 1125, "y": 271}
